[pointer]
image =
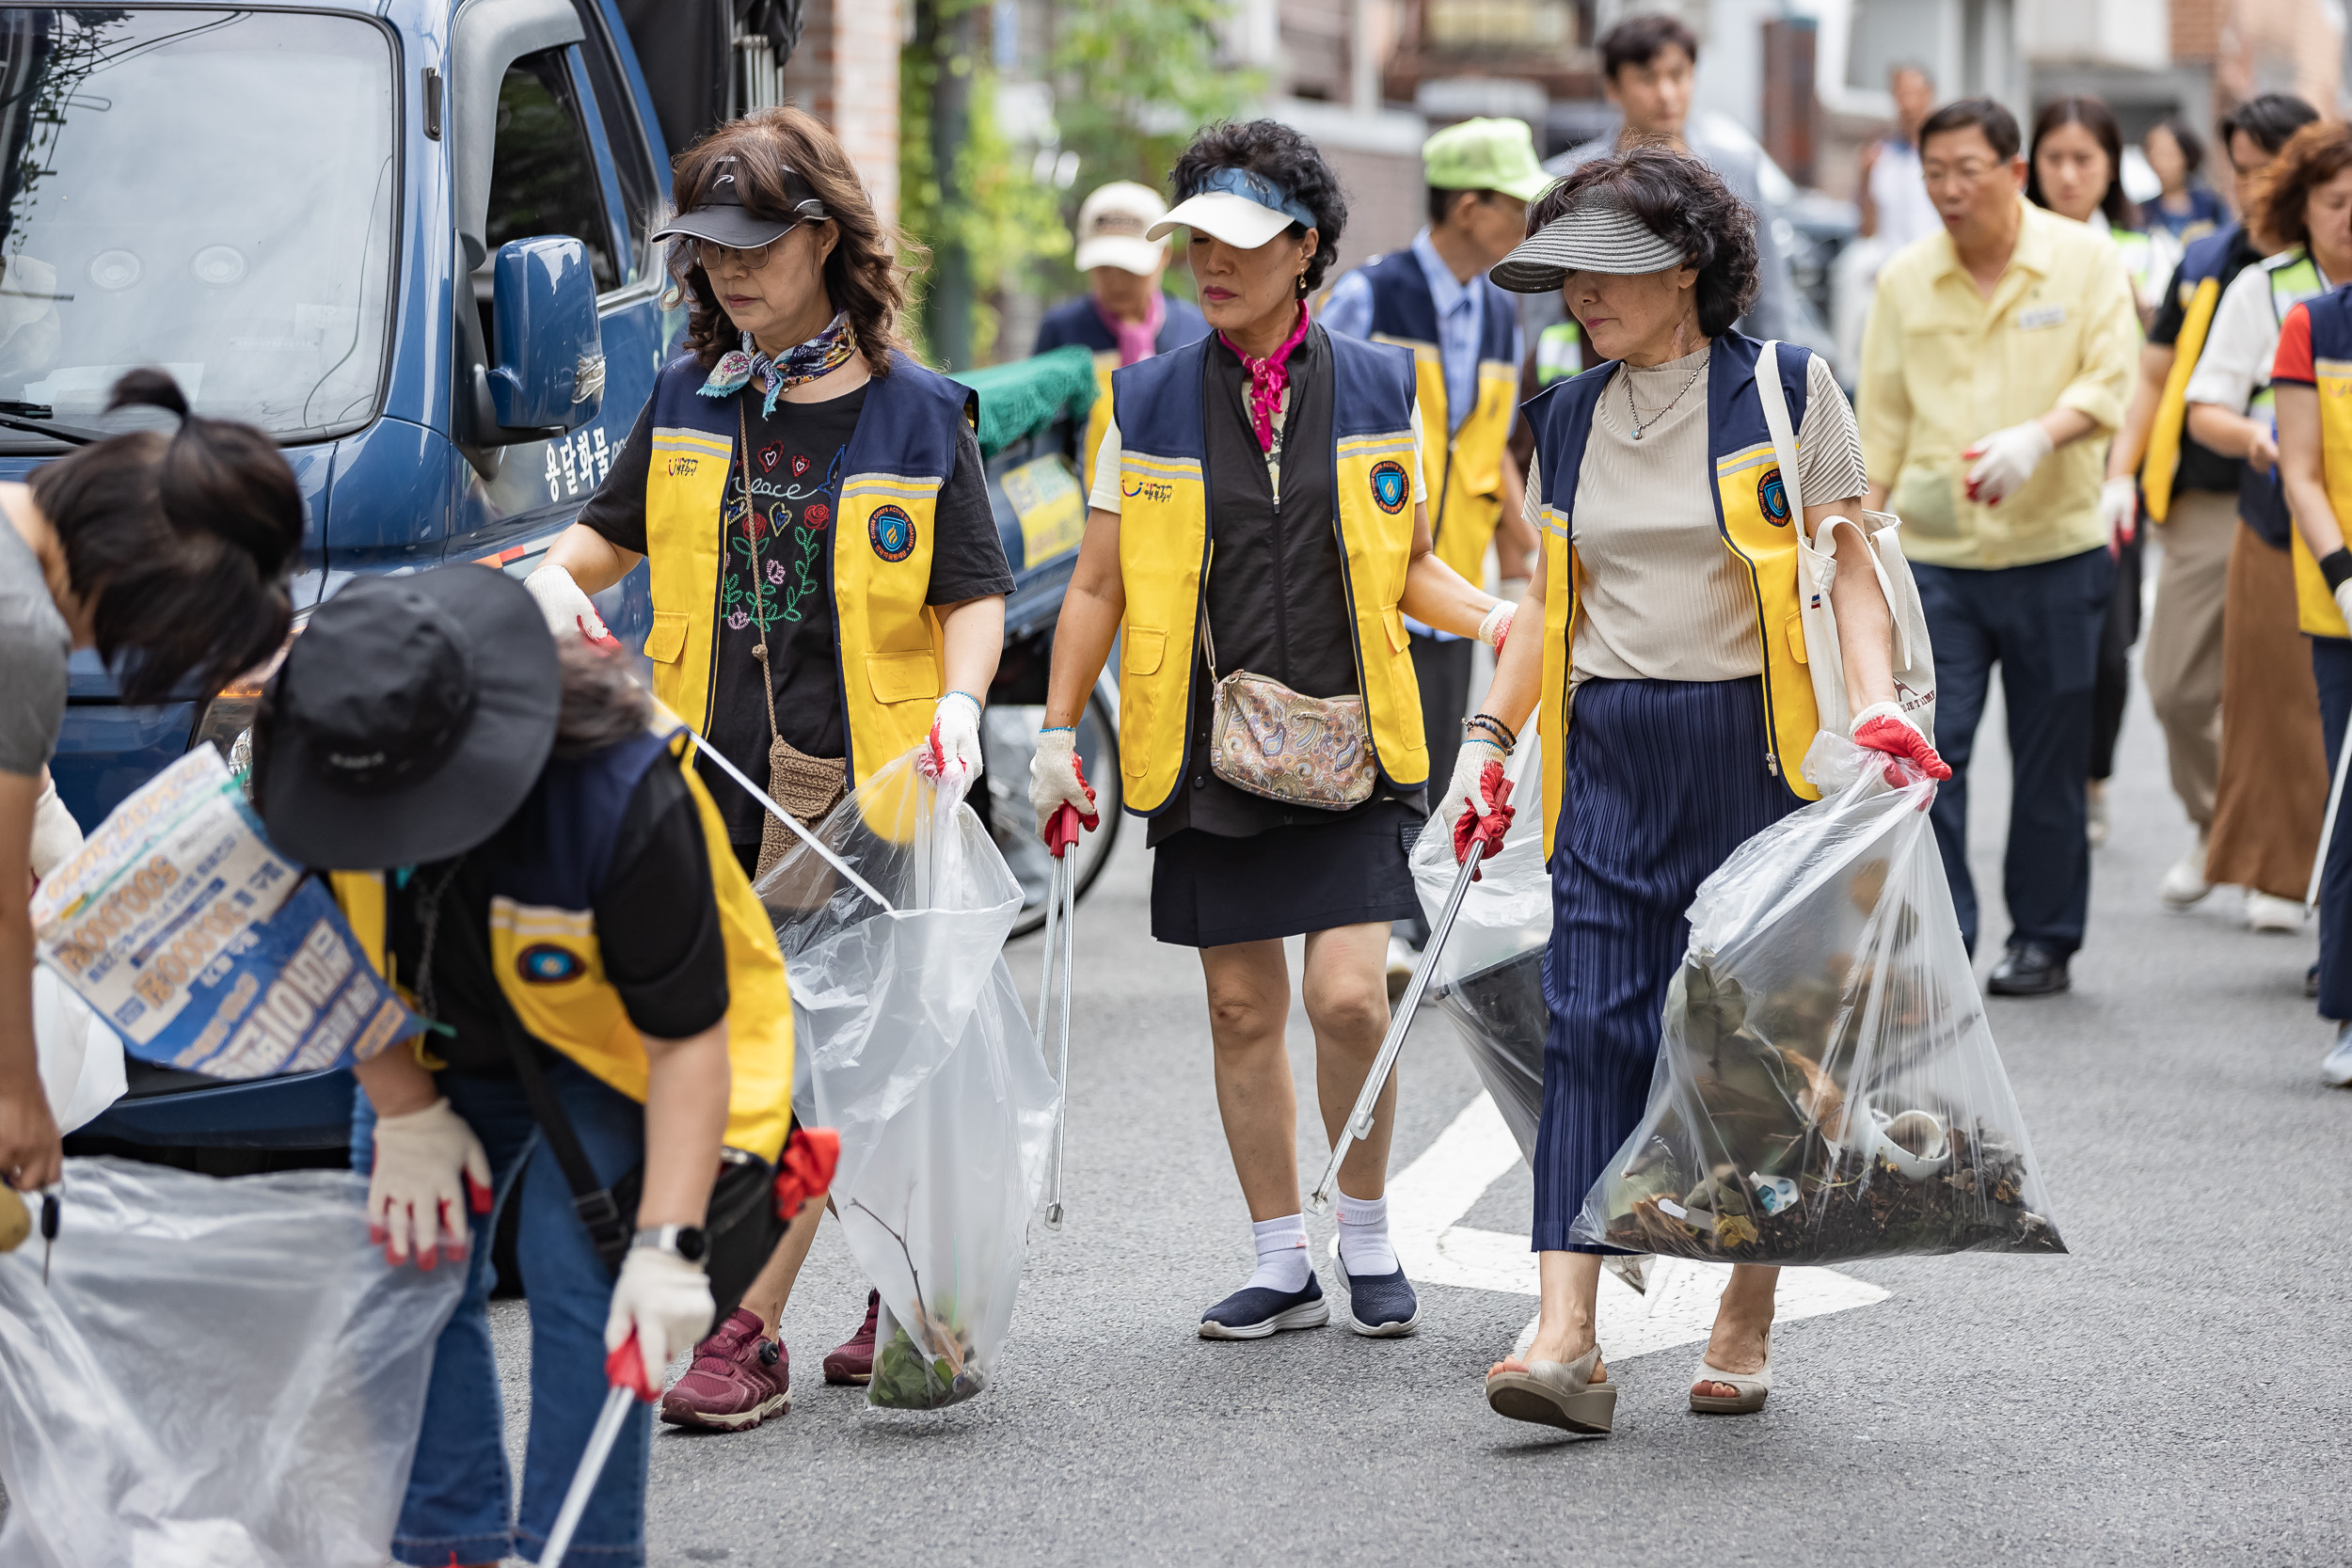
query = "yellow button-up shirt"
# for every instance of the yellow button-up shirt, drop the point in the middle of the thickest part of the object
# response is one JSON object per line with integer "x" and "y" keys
{"x": 1944, "y": 365}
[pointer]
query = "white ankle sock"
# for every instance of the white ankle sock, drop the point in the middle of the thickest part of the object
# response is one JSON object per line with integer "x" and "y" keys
{"x": 1282, "y": 1261}
{"x": 1364, "y": 1247}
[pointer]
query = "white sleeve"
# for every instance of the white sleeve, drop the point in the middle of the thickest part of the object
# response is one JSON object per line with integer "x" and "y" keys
{"x": 1105, "y": 493}
{"x": 1531, "y": 502}
{"x": 2236, "y": 358}
{"x": 1421, "y": 462}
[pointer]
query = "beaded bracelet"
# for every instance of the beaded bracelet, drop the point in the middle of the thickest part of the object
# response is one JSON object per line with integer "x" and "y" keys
{"x": 1502, "y": 735}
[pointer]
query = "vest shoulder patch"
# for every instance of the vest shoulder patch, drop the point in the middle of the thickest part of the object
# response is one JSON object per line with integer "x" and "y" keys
{"x": 1772, "y": 496}
{"x": 1389, "y": 486}
{"x": 891, "y": 532}
{"x": 544, "y": 963}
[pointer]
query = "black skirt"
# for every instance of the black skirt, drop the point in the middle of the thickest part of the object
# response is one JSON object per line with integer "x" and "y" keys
{"x": 1209, "y": 891}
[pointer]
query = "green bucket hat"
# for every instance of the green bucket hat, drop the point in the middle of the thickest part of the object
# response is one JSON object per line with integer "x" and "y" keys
{"x": 1485, "y": 155}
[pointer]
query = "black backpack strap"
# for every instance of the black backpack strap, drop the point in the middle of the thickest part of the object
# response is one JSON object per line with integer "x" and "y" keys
{"x": 609, "y": 1229}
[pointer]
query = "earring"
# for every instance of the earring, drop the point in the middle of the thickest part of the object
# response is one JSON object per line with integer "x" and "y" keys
{"x": 1302, "y": 285}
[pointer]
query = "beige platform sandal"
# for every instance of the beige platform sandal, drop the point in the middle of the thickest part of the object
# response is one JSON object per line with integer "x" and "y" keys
{"x": 1754, "y": 1387}
{"x": 1554, "y": 1393}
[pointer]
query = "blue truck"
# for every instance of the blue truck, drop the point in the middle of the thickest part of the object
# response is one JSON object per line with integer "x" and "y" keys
{"x": 409, "y": 240}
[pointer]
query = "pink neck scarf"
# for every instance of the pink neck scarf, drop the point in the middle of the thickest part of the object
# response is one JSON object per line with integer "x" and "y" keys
{"x": 1269, "y": 379}
{"x": 1136, "y": 340}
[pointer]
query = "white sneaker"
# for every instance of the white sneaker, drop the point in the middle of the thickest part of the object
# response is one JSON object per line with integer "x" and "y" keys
{"x": 1401, "y": 961}
{"x": 2336, "y": 1072}
{"x": 2267, "y": 913}
{"x": 2185, "y": 883}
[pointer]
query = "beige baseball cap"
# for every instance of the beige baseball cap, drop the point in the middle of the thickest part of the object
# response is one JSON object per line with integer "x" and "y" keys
{"x": 1112, "y": 223}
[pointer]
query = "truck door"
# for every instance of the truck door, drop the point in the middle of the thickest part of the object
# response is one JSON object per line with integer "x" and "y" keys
{"x": 567, "y": 156}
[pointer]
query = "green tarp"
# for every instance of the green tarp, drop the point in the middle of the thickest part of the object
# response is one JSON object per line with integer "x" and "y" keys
{"x": 1021, "y": 398}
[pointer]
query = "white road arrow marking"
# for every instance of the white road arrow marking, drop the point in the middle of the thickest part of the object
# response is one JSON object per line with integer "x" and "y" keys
{"x": 1430, "y": 1194}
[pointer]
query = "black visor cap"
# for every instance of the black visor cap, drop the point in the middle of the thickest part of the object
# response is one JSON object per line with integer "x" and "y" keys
{"x": 721, "y": 218}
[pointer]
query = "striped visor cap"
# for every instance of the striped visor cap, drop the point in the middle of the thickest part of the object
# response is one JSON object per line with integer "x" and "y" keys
{"x": 1594, "y": 235}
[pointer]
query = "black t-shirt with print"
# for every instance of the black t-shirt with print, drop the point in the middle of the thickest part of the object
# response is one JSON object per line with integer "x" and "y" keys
{"x": 777, "y": 571}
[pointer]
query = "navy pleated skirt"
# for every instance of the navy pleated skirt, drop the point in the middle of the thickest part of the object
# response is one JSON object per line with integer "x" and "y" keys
{"x": 1664, "y": 779}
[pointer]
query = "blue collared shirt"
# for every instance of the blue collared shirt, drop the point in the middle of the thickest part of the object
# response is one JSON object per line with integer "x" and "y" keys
{"x": 1461, "y": 316}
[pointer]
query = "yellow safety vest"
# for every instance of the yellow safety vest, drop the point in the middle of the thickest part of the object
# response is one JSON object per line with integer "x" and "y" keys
{"x": 1164, "y": 555}
{"x": 550, "y": 968}
{"x": 902, "y": 453}
{"x": 1752, "y": 515}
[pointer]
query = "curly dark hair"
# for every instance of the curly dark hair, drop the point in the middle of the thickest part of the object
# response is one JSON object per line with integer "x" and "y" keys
{"x": 2312, "y": 157}
{"x": 1683, "y": 202}
{"x": 1271, "y": 149}
{"x": 865, "y": 277}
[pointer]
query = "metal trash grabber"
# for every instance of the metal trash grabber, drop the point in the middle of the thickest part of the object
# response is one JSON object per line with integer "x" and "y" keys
{"x": 1061, "y": 912}
{"x": 1359, "y": 1119}
{"x": 2328, "y": 829}
{"x": 618, "y": 1367}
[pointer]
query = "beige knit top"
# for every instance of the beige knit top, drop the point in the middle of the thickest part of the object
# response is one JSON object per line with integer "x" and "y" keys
{"x": 1664, "y": 600}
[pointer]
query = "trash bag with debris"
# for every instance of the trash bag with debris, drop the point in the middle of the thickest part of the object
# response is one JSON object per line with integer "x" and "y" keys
{"x": 1827, "y": 1085}
{"x": 1489, "y": 977}
{"x": 920, "y": 1054}
{"x": 217, "y": 1374}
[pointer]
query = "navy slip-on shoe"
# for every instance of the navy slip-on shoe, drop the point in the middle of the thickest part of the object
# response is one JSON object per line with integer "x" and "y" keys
{"x": 1380, "y": 1305}
{"x": 1259, "y": 1311}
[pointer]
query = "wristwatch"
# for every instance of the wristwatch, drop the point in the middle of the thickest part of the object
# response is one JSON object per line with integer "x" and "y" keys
{"x": 685, "y": 1242}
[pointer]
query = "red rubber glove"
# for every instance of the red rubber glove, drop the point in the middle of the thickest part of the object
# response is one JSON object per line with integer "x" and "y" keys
{"x": 1881, "y": 728}
{"x": 804, "y": 1174}
{"x": 1486, "y": 831}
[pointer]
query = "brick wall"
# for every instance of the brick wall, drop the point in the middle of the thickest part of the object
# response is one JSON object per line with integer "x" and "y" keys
{"x": 846, "y": 73}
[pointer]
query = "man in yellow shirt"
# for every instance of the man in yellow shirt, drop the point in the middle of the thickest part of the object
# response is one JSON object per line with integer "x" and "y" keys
{"x": 1997, "y": 364}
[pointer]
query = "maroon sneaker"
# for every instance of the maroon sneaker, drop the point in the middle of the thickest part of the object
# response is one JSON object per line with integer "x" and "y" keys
{"x": 736, "y": 1380}
{"x": 855, "y": 1362}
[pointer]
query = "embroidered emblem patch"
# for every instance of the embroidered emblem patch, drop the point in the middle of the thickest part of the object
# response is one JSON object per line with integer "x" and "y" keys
{"x": 1388, "y": 486}
{"x": 545, "y": 964}
{"x": 1773, "y": 498}
{"x": 891, "y": 532}
{"x": 769, "y": 458}
{"x": 800, "y": 464}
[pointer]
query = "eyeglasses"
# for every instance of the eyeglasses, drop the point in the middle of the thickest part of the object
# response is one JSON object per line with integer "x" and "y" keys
{"x": 711, "y": 257}
{"x": 1966, "y": 172}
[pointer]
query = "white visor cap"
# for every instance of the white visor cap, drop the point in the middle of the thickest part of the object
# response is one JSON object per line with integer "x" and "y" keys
{"x": 1235, "y": 219}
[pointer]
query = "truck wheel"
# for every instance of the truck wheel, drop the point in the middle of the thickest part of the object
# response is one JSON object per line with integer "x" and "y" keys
{"x": 1009, "y": 737}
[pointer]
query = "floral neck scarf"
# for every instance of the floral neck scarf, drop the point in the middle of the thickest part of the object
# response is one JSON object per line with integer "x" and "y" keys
{"x": 1269, "y": 379}
{"x": 804, "y": 362}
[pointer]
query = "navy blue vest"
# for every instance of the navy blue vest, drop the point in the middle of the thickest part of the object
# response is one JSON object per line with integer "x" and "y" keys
{"x": 1402, "y": 307}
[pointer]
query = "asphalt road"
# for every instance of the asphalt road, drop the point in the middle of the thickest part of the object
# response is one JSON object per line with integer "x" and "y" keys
{"x": 2173, "y": 1391}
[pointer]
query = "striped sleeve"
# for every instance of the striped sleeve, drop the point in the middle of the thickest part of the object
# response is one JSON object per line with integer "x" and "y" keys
{"x": 1828, "y": 445}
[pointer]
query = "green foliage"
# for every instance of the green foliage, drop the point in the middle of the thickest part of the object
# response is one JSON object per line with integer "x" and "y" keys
{"x": 1134, "y": 79}
{"x": 991, "y": 212}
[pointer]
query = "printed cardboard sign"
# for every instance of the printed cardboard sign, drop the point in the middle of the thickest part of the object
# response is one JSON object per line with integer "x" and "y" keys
{"x": 203, "y": 946}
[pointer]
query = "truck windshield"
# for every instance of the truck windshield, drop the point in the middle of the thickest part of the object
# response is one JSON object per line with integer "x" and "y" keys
{"x": 208, "y": 191}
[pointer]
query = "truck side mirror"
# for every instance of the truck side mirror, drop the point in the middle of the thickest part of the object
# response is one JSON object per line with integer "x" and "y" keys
{"x": 549, "y": 375}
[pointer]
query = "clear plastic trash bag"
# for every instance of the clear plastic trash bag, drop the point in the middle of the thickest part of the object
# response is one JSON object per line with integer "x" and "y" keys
{"x": 219, "y": 1374}
{"x": 1827, "y": 1085}
{"x": 81, "y": 1059}
{"x": 1489, "y": 977}
{"x": 921, "y": 1057}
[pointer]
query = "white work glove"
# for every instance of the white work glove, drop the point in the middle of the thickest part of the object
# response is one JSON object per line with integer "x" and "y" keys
{"x": 56, "y": 834}
{"x": 953, "y": 751}
{"x": 2344, "y": 600}
{"x": 567, "y": 608}
{"x": 1497, "y": 626}
{"x": 1469, "y": 809}
{"x": 664, "y": 1300}
{"x": 429, "y": 1171}
{"x": 1056, "y": 779}
{"x": 2119, "y": 510}
{"x": 2004, "y": 460}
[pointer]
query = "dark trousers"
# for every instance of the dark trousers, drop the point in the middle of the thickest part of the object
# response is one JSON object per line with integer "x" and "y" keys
{"x": 2331, "y": 663}
{"x": 2116, "y": 634}
{"x": 2042, "y": 625}
{"x": 1443, "y": 672}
